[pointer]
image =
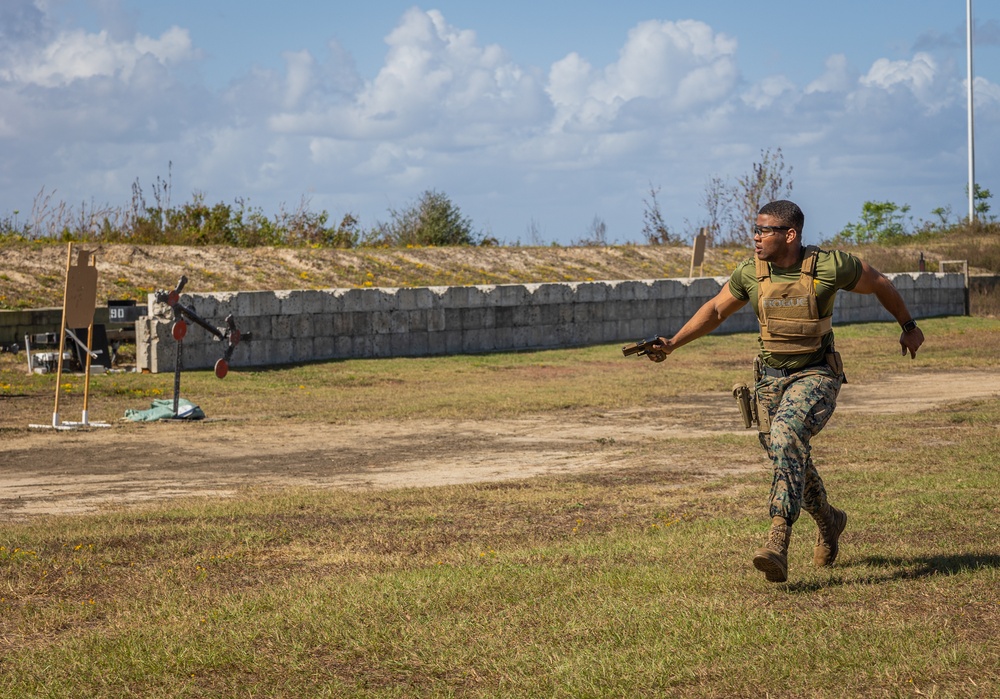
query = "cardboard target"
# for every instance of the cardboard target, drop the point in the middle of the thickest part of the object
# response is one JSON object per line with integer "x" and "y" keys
{"x": 81, "y": 291}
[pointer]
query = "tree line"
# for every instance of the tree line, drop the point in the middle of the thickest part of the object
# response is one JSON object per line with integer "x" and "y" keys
{"x": 433, "y": 220}
{"x": 729, "y": 206}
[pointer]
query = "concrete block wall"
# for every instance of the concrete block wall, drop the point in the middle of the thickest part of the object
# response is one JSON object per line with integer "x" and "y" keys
{"x": 926, "y": 294}
{"x": 298, "y": 326}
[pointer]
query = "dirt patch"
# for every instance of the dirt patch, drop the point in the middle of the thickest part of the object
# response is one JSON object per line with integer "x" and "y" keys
{"x": 48, "y": 472}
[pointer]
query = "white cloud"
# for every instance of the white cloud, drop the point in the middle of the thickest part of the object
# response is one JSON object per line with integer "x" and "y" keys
{"x": 677, "y": 66}
{"x": 437, "y": 82}
{"x": 660, "y": 58}
{"x": 985, "y": 93}
{"x": 299, "y": 76}
{"x": 918, "y": 75}
{"x": 569, "y": 81}
{"x": 836, "y": 78}
{"x": 771, "y": 90}
{"x": 77, "y": 54}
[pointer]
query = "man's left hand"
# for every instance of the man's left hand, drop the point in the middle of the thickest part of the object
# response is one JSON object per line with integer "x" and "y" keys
{"x": 911, "y": 341}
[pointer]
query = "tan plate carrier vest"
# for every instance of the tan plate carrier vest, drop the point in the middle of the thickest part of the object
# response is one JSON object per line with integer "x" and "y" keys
{"x": 788, "y": 312}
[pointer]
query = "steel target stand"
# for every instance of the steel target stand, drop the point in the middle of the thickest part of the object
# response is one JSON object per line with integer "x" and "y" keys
{"x": 230, "y": 334}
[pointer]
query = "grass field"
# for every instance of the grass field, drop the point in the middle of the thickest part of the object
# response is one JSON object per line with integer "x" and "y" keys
{"x": 590, "y": 585}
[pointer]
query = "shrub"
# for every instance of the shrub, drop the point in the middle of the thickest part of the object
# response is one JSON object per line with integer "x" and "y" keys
{"x": 433, "y": 221}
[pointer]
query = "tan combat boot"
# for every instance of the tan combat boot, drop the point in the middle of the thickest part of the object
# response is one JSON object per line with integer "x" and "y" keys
{"x": 772, "y": 559}
{"x": 831, "y": 523}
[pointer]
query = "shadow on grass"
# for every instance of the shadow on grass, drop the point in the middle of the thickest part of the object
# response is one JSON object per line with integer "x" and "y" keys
{"x": 892, "y": 568}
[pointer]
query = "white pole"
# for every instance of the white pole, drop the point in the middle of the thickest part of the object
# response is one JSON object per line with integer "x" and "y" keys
{"x": 972, "y": 147}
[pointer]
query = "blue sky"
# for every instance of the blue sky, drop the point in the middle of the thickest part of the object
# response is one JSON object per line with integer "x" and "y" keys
{"x": 535, "y": 118}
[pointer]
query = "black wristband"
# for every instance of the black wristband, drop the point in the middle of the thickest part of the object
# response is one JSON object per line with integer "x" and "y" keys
{"x": 909, "y": 325}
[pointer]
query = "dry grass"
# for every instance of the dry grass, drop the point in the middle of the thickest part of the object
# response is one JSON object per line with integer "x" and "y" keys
{"x": 583, "y": 586}
{"x": 629, "y": 583}
{"x": 478, "y": 386}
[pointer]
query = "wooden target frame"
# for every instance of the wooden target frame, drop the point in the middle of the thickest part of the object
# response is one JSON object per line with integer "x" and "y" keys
{"x": 79, "y": 306}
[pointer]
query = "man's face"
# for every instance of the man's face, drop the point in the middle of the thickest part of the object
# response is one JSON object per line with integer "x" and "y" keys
{"x": 772, "y": 239}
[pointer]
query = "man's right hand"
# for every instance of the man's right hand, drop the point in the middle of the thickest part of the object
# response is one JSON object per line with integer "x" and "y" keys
{"x": 659, "y": 350}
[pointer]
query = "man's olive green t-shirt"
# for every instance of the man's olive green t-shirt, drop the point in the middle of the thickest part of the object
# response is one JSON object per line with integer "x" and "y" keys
{"x": 835, "y": 270}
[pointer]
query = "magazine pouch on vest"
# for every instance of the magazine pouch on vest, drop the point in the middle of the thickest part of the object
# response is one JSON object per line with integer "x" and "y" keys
{"x": 788, "y": 312}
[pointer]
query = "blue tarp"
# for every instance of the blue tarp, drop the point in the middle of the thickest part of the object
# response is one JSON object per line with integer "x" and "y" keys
{"x": 163, "y": 409}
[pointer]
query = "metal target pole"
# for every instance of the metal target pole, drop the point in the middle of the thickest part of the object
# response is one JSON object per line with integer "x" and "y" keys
{"x": 177, "y": 376}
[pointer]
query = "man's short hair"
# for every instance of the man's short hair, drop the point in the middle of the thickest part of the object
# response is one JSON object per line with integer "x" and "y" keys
{"x": 787, "y": 212}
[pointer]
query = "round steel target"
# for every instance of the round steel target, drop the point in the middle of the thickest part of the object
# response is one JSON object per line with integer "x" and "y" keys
{"x": 179, "y": 330}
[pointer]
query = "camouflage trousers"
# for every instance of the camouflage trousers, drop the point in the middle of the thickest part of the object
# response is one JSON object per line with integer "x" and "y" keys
{"x": 799, "y": 406}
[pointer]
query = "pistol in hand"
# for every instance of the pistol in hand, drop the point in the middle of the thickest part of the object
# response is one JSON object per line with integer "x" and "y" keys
{"x": 645, "y": 347}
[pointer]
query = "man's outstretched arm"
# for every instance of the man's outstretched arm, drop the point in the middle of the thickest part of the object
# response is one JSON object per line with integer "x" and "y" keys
{"x": 874, "y": 282}
{"x": 705, "y": 320}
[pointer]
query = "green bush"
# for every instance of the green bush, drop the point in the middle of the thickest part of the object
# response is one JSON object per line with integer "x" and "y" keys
{"x": 432, "y": 221}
